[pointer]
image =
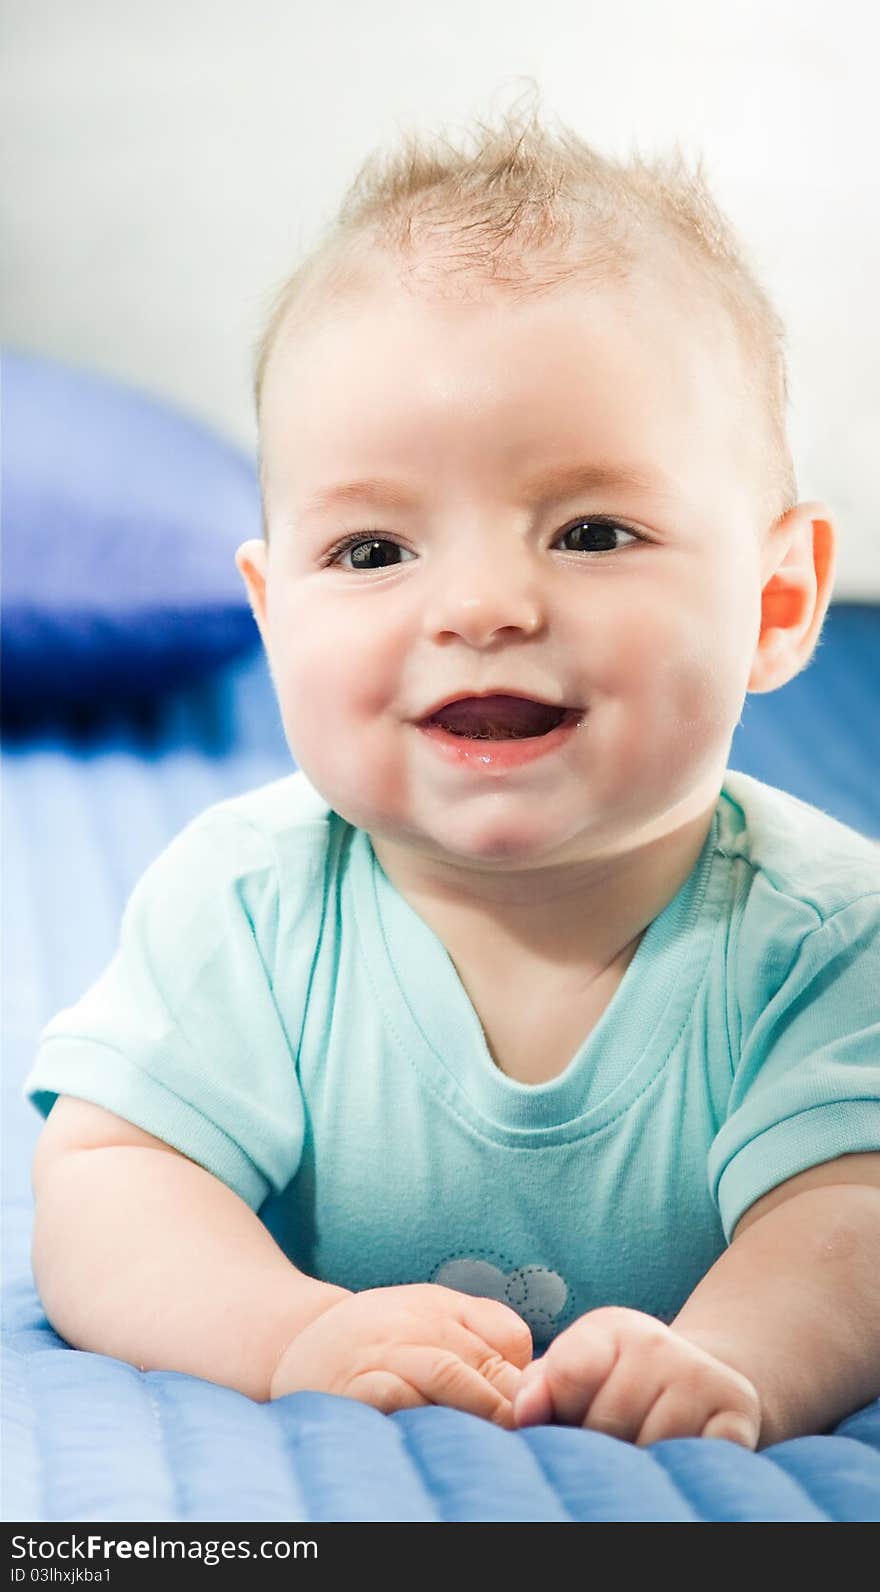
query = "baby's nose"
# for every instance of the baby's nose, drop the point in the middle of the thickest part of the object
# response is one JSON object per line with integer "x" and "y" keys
{"x": 483, "y": 602}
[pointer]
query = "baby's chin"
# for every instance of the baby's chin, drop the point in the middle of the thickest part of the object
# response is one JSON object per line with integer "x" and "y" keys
{"x": 490, "y": 848}
{"x": 501, "y": 833}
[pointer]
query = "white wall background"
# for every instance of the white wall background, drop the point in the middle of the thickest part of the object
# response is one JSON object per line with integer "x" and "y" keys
{"x": 167, "y": 162}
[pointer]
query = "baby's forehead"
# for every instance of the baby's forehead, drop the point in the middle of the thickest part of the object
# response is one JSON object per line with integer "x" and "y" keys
{"x": 321, "y": 338}
{"x": 387, "y": 337}
{"x": 661, "y": 281}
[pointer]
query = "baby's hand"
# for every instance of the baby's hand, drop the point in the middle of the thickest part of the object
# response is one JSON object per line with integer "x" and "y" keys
{"x": 624, "y": 1373}
{"x": 397, "y": 1348}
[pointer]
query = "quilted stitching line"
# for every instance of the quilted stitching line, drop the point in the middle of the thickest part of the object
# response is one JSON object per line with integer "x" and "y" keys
{"x": 675, "y": 1481}
{"x": 38, "y": 1443}
{"x": 164, "y": 1446}
{"x": 544, "y": 1473}
{"x": 414, "y": 1457}
{"x": 799, "y": 1483}
{"x": 292, "y": 1445}
{"x": 667, "y": 1464}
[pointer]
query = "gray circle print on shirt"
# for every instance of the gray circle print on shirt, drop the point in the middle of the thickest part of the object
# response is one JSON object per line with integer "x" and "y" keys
{"x": 534, "y": 1292}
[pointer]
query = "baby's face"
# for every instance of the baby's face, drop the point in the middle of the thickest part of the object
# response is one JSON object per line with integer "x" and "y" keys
{"x": 637, "y": 603}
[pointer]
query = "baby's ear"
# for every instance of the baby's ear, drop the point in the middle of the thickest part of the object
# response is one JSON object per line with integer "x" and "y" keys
{"x": 250, "y": 561}
{"x": 800, "y": 558}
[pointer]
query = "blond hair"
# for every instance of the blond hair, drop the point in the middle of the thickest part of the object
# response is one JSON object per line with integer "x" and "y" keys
{"x": 529, "y": 210}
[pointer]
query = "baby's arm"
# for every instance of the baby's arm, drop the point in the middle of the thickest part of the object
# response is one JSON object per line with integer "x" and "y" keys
{"x": 141, "y": 1254}
{"x": 794, "y": 1303}
{"x": 779, "y": 1339}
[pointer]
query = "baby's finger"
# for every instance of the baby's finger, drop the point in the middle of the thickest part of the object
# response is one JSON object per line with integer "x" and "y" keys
{"x": 626, "y": 1397}
{"x": 443, "y": 1377}
{"x": 483, "y": 1358}
{"x": 503, "y": 1376}
{"x": 675, "y": 1413}
{"x": 735, "y": 1426}
{"x": 385, "y": 1391}
{"x": 482, "y": 1354}
{"x": 575, "y": 1368}
{"x": 497, "y": 1325}
{"x": 476, "y": 1351}
{"x": 532, "y": 1405}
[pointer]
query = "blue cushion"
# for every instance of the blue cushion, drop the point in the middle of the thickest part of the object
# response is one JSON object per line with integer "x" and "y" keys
{"x": 121, "y": 516}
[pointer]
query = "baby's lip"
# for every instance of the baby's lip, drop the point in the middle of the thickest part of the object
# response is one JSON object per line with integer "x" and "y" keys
{"x": 486, "y": 697}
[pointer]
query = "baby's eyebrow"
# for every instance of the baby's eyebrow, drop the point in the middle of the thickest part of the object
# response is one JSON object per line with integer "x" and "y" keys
{"x": 549, "y": 483}
{"x": 556, "y": 482}
{"x": 372, "y": 489}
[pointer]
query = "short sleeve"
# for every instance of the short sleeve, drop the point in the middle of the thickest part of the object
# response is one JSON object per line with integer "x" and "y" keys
{"x": 181, "y": 1035}
{"x": 806, "y": 1087}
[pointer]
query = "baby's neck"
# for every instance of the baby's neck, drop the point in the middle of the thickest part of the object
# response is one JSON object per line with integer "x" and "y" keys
{"x": 570, "y": 922}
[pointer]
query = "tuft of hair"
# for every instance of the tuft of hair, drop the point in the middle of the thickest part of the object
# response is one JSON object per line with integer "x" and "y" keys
{"x": 528, "y": 209}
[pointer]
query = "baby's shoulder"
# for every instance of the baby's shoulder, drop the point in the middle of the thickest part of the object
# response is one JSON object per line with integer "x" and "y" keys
{"x": 269, "y": 841}
{"x": 803, "y": 895}
{"x": 285, "y": 811}
{"x": 795, "y": 859}
{"x": 802, "y": 939}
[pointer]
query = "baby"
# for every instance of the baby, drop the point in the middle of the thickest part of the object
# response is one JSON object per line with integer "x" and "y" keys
{"x": 512, "y": 1053}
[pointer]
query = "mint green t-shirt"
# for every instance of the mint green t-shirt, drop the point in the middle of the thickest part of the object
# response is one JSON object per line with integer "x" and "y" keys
{"x": 279, "y": 1012}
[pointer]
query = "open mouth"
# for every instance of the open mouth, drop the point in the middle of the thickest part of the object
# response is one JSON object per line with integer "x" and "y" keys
{"x": 500, "y": 718}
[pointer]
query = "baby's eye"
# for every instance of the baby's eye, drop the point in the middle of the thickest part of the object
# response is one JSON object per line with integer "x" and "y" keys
{"x": 595, "y": 529}
{"x": 366, "y": 553}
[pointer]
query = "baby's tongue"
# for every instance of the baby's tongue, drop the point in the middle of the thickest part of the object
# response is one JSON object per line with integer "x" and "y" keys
{"x": 497, "y": 717}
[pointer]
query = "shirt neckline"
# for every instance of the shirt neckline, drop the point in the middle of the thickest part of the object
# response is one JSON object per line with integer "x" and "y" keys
{"x": 434, "y": 1023}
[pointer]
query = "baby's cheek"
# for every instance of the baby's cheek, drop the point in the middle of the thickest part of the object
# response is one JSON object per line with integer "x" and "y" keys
{"x": 309, "y": 669}
{"x": 306, "y": 705}
{"x": 700, "y": 697}
{"x": 693, "y": 658}
{"x": 348, "y": 750}
{"x": 685, "y": 694}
